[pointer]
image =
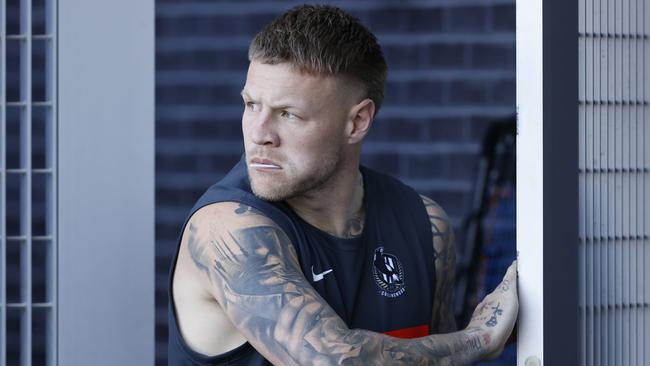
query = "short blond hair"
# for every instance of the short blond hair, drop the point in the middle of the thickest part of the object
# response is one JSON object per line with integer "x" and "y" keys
{"x": 324, "y": 40}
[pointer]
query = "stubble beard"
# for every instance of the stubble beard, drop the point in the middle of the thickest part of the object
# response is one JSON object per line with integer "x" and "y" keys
{"x": 300, "y": 186}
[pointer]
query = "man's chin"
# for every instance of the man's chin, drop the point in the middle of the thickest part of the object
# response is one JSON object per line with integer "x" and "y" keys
{"x": 271, "y": 195}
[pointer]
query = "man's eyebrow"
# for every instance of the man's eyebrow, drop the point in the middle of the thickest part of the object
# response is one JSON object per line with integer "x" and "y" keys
{"x": 282, "y": 105}
{"x": 286, "y": 106}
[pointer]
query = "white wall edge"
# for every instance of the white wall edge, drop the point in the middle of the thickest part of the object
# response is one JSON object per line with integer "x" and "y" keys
{"x": 530, "y": 174}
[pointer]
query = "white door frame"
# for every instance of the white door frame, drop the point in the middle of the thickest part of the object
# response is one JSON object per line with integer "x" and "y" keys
{"x": 547, "y": 181}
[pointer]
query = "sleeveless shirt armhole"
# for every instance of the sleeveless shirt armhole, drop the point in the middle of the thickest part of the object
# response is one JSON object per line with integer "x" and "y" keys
{"x": 225, "y": 358}
{"x": 427, "y": 246}
{"x": 239, "y": 352}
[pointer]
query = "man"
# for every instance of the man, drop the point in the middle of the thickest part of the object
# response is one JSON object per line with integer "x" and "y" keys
{"x": 301, "y": 256}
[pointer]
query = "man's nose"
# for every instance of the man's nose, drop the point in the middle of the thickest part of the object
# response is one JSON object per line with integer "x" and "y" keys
{"x": 263, "y": 130}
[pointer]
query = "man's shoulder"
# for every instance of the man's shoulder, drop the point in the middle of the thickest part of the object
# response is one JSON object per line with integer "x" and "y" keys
{"x": 230, "y": 214}
{"x": 393, "y": 187}
{"x": 433, "y": 206}
{"x": 385, "y": 182}
{"x": 437, "y": 215}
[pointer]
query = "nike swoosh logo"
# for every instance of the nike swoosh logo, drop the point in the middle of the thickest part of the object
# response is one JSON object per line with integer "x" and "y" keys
{"x": 319, "y": 276}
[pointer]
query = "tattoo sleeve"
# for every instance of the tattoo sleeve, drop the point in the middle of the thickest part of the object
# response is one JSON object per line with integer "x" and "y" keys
{"x": 256, "y": 279}
{"x": 443, "y": 320}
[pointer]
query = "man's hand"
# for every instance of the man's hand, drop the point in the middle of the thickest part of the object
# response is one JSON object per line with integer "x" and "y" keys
{"x": 495, "y": 316}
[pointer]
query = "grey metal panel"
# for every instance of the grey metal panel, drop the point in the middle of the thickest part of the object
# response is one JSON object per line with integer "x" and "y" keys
{"x": 560, "y": 181}
{"x": 106, "y": 182}
{"x": 614, "y": 182}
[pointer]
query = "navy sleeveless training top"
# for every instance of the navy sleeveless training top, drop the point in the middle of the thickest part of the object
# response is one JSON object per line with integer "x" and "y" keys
{"x": 382, "y": 280}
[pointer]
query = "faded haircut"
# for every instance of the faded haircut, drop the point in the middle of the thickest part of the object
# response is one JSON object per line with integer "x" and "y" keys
{"x": 324, "y": 40}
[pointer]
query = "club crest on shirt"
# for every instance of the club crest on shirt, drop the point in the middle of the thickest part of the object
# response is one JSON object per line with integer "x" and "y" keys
{"x": 388, "y": 273}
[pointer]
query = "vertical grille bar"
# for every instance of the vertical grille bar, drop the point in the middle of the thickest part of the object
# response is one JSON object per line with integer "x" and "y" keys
{"x": 639, "y": 188}
{"x": 26, "y": 182}
{"x": 611, "y": 179}
{"x": 51, "y": 28}
{"x": 630, "y": 202}
{"x": 622, "y": 131}
{"x": 582, "y": 159}
{"x": 3, "y": 198}
{"x": 589, "y": 196}
{"x": 600, "y": 183}
{"x": 646, "y": 175}
{"x": 625, "y": 197}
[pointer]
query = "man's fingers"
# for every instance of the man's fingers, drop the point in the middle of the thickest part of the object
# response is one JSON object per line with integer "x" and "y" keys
{"x": 512, "y": 270}
{"x": 509, "y": 281}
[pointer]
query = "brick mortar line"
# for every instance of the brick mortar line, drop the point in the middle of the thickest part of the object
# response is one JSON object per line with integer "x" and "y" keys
{"x": 195, "y": 180}
{"x": 183, "y": 113}
{"x": 274, "y": 7}
{"x": 169, "y": 215}
{"x": 216, "y": 78}
{"x": 175, "y": 44}
{"x": 191, "y": 147}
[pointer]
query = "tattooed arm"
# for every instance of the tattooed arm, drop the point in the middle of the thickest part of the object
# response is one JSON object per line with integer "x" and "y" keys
{"x": 255, "y": 277}
{"x": 496, "y": 313}
{"x": 443, "y": 320}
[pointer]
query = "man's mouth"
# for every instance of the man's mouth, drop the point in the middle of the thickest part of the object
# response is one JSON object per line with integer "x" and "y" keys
{"x": 264, "y": 166}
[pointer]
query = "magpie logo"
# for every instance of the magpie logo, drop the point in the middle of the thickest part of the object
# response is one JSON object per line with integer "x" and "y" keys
{"x": 319, "y": 276}
{"x": 388, "y": 273}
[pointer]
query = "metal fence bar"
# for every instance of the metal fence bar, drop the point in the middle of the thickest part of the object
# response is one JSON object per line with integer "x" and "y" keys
{"x": 640, "y": 188}
{"x": 605, "y": 186}
{"x": 3, "y": 194}
{"x": 611, "y": 180}
{"x": 646, "y": 194}
{"x": 51, "y": 28}
{"x": 617, "y": 233}
{"x": 590, "y": 69}
{"x": 633, "y": 330}
{"x": 26, "y": 182}
{"x": 582, "y": 178}
{"x": 626, "y": 187}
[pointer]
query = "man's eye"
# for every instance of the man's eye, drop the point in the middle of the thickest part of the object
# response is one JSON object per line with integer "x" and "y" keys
{"x": 285, "y": 114}
{"x": 251, "y": 106}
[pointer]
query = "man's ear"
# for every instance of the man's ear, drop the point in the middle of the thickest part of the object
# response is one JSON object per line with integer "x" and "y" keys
{"x": 359, "y": 120}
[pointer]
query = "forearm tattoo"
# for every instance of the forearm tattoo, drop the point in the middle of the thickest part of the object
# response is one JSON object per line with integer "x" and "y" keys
{"x": 259, "y": 284}
{"x": 492, "y": 322}
{"x": 488, "y": 313}
{"x": 443, "y": 320}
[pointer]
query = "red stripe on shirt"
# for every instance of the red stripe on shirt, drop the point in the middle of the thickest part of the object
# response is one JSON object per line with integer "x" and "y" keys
{"x": 412, "y": 332}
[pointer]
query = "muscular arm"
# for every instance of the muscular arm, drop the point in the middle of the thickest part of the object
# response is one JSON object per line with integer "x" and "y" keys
{"x": 443, "y": 320}
{"x": 256, "y": 278}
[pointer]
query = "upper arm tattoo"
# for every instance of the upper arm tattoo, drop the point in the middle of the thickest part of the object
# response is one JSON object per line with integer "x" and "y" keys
{"x": 257, "y": 280}
{"x": 443, "y": 320}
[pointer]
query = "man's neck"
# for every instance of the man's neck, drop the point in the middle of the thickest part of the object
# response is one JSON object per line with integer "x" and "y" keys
{"x": 337, "y": 208}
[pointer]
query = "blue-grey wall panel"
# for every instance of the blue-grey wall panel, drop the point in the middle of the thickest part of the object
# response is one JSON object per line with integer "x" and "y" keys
{"x": 106, "y": 182}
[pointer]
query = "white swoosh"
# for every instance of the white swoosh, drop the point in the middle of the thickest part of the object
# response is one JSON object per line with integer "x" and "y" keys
{"x": 319, "y": 276}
